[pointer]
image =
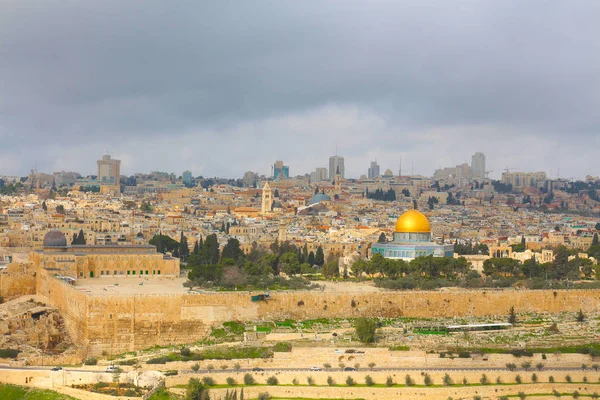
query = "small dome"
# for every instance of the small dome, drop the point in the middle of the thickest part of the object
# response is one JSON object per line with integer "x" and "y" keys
{"x": 319, "y": 197}
{"x": 412, "y": 221}
{"x": 55, "y": 239}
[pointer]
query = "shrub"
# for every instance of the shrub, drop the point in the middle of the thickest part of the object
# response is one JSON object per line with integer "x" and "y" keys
{"x": 556, "y": 393}
{"x": 350, "y": 381}
{"x": 237, "y": 366}
{"x": 272, "y": 381}
{"x": 447, "y": 380}
{"x": 357, "y": 365}
{"x": 210, "y": 367}
{"x": 224, "y": 366}
{"x": 575, "y": 394}
{"x": 585, "y": 379}
{"x": 568, "y": 378}
{"x": 283, "y": 347}
{"x": 330, "y": 381}
{"x": 91, "y": 361}
{"x": 521, "y": 395}
{"x": 526, "y": 365}
{"x": 195, "y": 367}
{"x": 584, "y": 366}
{"x": 476, "y": 397}
{"x": 264, "y": 396}
{"x": 595, "y": 395}
{"x": 249, "y": 379}
{"x": 465, "y": 381}
{"x": 230, "y": 381}
{"x": 408, "y": 380}
{"x": 185, "y": 351}
{"x": 310, "y": 380}
{"x": 539, "y": 366}
{"x": 544, "y": 357}
{"x": 208, "y": 381}
{"x": 365, "y": 329}
{"x": 551, "y": 379}
{"x": 127, "y": 362}
{"x": 389, "y": 381}
{"x": 369, "y": 381}
{"x": 159, "y": 360}
{"x": 511, "y": 366}
{"x": 534, "y": 378}
{"x": 518, "y": 379}
{"x": 498, "y": 380}
{"x": 341, "y": 365}
{"x": 295, "y": 381}
{"x": 427, "y": 380}
{"x": 372, "y": 365}
{"x": 326, "y": 365}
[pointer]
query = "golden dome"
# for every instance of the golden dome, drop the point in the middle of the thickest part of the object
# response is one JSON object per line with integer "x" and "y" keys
{"x": 412, "y": 221}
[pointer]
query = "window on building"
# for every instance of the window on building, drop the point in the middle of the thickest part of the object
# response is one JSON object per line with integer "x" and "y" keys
{"x": 133, "y": 272}
{"x": 101, "y": 272}
{"x": 127, "y": 272}
{"x": 159, "y": 272}
{"x": 146, "y": 272}
{"x": 141, "y": 272}
{"x": 114, "y": 272}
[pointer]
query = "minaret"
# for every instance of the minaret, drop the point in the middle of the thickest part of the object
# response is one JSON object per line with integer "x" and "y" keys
{"x": 267, "y": 199}
{"x": 338, "y": 181}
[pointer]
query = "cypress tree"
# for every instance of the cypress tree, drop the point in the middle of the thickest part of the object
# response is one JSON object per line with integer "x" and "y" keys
{"x": 319, "y": 256}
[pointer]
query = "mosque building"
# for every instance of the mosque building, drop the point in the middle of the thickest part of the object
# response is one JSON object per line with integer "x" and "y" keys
{"x": 412, "y": 239}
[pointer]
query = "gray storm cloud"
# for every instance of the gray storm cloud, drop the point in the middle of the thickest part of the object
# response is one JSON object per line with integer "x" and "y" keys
{"x": 226, "y": 87}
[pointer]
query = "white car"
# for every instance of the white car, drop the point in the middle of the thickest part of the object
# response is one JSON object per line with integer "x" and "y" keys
{"x": 315, "y": 368}
{"x": 111, "y": 368}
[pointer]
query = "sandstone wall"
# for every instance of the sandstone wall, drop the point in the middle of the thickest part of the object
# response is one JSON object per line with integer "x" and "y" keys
{"x": 16, "y": 284}
{"x": 71, "y": 303}
{"x": 116, "y": 324}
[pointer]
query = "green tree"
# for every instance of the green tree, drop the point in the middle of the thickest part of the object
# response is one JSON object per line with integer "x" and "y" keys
{"x": 365, "y": 329}
{"x": 44, "y": 206}
{"x": 184, "y": 249}
{"x": 382, "y": 238}
{"x": 196, "y": 390}
{"x": 512, "y": 316}
{"x": 580, "y": 316}
{"x": 595, "y": 240}
{"x": 232, "y": 250}
{"x": 60, "y": 209}
{"x": 319, "y": 256}
{"x": 311, "y": 258}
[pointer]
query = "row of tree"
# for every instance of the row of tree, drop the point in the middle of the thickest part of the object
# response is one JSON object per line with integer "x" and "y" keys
{"x": 425, "y": 267}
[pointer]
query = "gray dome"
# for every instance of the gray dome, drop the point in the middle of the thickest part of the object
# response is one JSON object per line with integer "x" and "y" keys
{"x": 319, "y": 197}
{"x": 55, "y": 239}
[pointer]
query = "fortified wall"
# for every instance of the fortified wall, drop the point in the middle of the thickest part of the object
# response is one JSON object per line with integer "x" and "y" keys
{"x": 120, "y": 323}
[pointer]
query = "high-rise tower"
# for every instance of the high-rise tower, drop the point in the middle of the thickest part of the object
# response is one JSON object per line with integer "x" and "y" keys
{"x": 478, "y": 165}
{"x": 336, "y": 163}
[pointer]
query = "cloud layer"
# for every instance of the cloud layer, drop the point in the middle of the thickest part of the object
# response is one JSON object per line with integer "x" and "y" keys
{"x": 228, "y": 87}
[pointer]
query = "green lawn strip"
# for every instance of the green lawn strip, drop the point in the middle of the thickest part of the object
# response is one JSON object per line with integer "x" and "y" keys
{"x": 164, "y": 394}
{"x": 395, "y": 385}
{"x": 13, "y": 392}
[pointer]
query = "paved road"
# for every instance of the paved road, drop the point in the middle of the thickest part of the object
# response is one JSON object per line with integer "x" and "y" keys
{"x": 229, "y": 371}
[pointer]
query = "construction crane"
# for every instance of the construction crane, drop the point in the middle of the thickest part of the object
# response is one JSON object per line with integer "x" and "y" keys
{"x": 487, "y": 173}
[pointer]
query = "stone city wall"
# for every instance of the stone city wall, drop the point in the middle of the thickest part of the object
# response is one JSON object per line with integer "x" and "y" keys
{"x": 13, "y": 284}
{"x": 125, "y": 323}
{"x": 71, "y": 303}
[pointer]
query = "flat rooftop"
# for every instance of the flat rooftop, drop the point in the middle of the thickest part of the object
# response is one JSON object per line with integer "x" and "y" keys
{"x": 132, "y": 285}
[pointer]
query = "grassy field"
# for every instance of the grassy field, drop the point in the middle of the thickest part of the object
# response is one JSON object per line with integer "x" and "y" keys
{"x": 163, "y": 394}
{"x": 12, "y": 392}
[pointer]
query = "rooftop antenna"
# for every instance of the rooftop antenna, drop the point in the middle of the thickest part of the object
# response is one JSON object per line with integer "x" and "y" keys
{"x": 400, "y": 168}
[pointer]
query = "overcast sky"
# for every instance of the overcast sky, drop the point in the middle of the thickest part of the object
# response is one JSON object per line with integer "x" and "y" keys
{"x": 229, "y": 86}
